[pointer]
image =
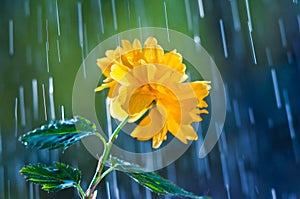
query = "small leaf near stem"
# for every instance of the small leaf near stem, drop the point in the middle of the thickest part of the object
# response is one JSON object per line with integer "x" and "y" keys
{"x": 101, "y": 162}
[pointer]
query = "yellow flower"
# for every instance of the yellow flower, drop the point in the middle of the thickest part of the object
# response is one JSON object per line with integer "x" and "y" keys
{"x": 147, "y": 81}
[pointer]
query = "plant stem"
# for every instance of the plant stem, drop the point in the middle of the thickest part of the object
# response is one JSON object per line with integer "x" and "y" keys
{"x": 101, "y": 162}
{"x": 107, "y": 171}
{"x": 80, "y": 190}
{"x": 102, "y": 139}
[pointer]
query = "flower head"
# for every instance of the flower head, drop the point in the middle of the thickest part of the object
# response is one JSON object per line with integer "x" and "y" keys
{"x": 148, "y": 81}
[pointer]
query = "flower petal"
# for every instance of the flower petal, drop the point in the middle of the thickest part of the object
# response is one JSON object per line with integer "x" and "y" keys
{"x": 118, "y": 71}
{"x": 159, "y": 137}
{"x": 201, "y": 89}
{"x": 104, "y": 64}
{"x": 152, "y": 51}
{"x": 116, "y": 110}
{"x": 174, "y": 60}
{"x": 139, "y": 102}
{"x": 150, "y": 126}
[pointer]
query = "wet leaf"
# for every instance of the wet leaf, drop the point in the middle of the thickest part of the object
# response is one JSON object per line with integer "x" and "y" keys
{"x": 151, "y": 180}
{"x": 59, "y": 134}
{"x": 52, "y": 178}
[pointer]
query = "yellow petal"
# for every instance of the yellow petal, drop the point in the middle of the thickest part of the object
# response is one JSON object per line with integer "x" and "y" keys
{"x": 150, "y": 41}
{"x": 139, "y": 102}
{"x": 174, "y": 60}
{"x": 126, "y": 45}
{"x": 188, "y": 132}
{"x": 103, "y": 86}
{"x": 118, "y": 71}
{"x": 136, "y": 44}
{"x": 104, "y": 64}
{"x": 117, "y": 111}
{"x": 201, "y": 90}
{"x": 153, "y": 53}
{"x": 173, "y": 128}
{"x": 150, "y": 126}
{"x": 159, "y": 137}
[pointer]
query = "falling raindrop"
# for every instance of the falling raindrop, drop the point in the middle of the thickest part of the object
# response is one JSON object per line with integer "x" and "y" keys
{"x": 243, "y": 176}
{"x": 100, "y": 16}
{"x": 289, "y": 57}
{"x": 16, "y": 117}
{"x": 273, "y": 192}
{"x": 276, "y": 88}
{"x": 197, "y": 39}
{"x": 201, "y": 8}
{"x": 35, "y": 99}
{"x": 37, "y": 192}
{"x": 22, "y": 106}
{"x": 58, "y": 50}
{"x": 51, "y": 98}
{"x": 223, "y": 38}
{"x": 114, "y": 14}
{"x": 252, "y": 45}
{"x": 27, "y": 8}
{"x": 166, "y": 21}
{"x": 289, "y": 113}
{"x": 80, "y": 35}
{"x": 107, "y": 189}
{"x": 47, "y": 47}
{"x": 251, "y": 115}
{"x": 270, "y": 123}
{"x": 282, "y": 32}
{"x": 57, "y": 18}
{"x": 236, "y": 113}
{"x": 148, "y": 194}
{"x": 8, "y": 189}
{"x": 11, "y": 37}
{"x": 140, "y": 26}
{"x": 222, "y": 142}
{"x": 85, "y": 39}
{"x": 31, "y": 191}
{"x": 44, "y": 100}
{"x": 188, "y": 14}
{"x": 115, "y": 185}
{"x": 269, "y": 56}
{"x": 228, "y": 105}
{"x": 248, "y": 16}
{"x": 225, "y": 174}
{"x": 235, "y": 15}
{"x": 250, "y": 29}
{"x": 80, "y": 29}
{"x": 108, "y": 118}
{"x": 62, "y": 112}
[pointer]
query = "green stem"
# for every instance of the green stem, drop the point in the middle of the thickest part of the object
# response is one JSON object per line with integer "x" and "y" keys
{"x": 101, "y": 162}
{"x": 110, "y": 169}
{"x": 102, "y": 139}
{"x": 80, "y": 190}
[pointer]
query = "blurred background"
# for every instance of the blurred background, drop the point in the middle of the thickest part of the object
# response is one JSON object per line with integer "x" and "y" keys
{"x": 255, "y": 44}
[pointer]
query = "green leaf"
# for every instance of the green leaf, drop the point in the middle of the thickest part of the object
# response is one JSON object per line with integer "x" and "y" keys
{"x": 58, "y": 134}
{"x": 151, "y": 180}
{"x": 50, "y": 178}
